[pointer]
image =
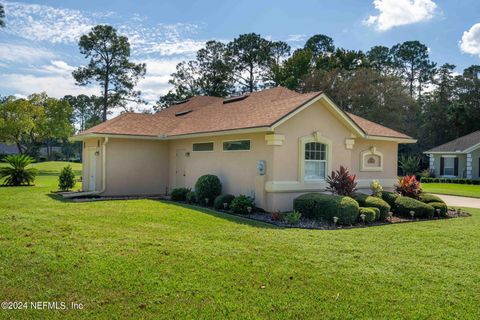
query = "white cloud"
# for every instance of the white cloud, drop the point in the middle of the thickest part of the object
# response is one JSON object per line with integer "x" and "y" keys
{"x": 296, "y": 37}
{"x": 470, "y": 42}
{"x": 394, "y": 13}
{"x": 54, "y": 85}
{"x": 10, "y": 52}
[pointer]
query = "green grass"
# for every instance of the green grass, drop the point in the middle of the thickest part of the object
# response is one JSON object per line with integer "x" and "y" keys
{"x": 152, "y": 259}
{"x": 466, "y": 190}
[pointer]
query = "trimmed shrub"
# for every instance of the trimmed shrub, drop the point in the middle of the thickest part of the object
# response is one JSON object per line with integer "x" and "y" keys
{"x": 208, "y": 187}
{"x": 370, "y": 201}
{"x": 324, "y": 207}
{"x": 241, "y": 203}
{"x": 221, "y": 199}
{"x": 191, "y": 197}
{"x": 439, "y": 205}
{"x": 403, "y": 206}
{"x": 66, "y": 179}
{"x": 179, "y": 194}
{"x": 376, "y": 188}
{"x": 390, "y": 197}
{"x": 370, "y": 214}
{"x": 427, "y": 198}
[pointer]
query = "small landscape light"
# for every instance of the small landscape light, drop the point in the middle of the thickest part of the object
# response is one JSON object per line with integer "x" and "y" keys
{"x": 335, "y": 220}
{"x": 225, "y": 205}
{"x": 438, "y": 212}
{"x": 249, "y": 209}
{"x": 412, "y": 213}
{"x": 363, "y": 216}
{"x": 390, "y": 215}
{"x": 206, "y": 201}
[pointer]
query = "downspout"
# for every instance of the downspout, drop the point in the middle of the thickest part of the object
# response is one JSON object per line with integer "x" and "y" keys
{"x": 104, "y": 165}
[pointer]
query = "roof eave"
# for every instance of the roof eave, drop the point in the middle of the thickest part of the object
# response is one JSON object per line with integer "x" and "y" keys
{"x": 93, "y": 135}
{"x": 395, "y": 139}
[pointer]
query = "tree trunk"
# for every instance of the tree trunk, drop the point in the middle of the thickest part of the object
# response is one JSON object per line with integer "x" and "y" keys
{"x": 105, "y": 95}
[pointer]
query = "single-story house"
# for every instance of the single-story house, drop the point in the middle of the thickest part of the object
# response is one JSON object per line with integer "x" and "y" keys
{"x": 272, "y": 145}
{"x": 459, "y": 158}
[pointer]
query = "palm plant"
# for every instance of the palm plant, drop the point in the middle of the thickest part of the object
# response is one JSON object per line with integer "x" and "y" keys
{"x": 17, "y": 173}
{"x": 409, "y": 164}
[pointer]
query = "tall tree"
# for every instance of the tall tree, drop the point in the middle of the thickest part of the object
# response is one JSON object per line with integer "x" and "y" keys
{"x": 85, "y": 110}
{"x": 215, "y": 70}
{"x": 292, "y": 71}
{"x": 320, "y": 45}
{"x": 381, "y": 59}
{"x": 2, "y": 16}
{"x": 110, "y": 67}
{"x": 251, "y": 59}
{"x": 412, "y": 60}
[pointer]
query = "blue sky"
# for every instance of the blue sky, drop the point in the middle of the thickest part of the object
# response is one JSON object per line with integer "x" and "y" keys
{"x": 38, "y": 49}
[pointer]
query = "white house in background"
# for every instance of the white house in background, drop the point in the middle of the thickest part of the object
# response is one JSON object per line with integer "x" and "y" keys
{"x": 459, "y": 158}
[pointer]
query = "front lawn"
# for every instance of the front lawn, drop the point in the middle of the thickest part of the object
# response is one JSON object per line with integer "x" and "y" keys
{"x": 152, "y": 259}
{"x": 466, "y": 190}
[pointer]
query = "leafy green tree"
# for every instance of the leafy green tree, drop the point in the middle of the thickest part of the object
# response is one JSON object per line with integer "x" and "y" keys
{"x": 86, "y": 110}
{"x": 19, "y": 120}
{"x": 412, "y": 61}
{"x": 381, "y": 59}
{"x": 2, "y": 16}
{"x": 110, "y": 67}
{"x": 251, "y": 59}
{"x": 320, "y": 45}
{"x": 66, "y": 179}
{"x": 409, "y": 164}
{"x": 290, "y": 74}
{"x": 215, "y": 70}
{"x": 468, "y": 92}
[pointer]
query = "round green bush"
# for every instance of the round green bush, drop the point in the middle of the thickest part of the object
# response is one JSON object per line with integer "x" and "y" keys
{"x": 439, "y": 205}
{"x": 179, "y": 194}
{"x": 221, "y": 199}
{"x": 390, "y": 197}
{"x": 324, "y": 207}
{"x": 191, "y": 197}
{"x": 370, "y": 201}
{"x": 241, "y": 203}
{"x": 371, "y": 214}
{"x": 403, "y": 206}
{"x": 427, "y": 198}
{"x": 208, "y": 187}
{"x": 66, "y": 179}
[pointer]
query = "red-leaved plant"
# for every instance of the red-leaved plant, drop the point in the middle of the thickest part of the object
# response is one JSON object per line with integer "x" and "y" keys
{"x": 341, "y": 182}
{"x": 409, "y": 186}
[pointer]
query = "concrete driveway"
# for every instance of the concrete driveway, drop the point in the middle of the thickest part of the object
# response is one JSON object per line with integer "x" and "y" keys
{"x": 456, "y": 201}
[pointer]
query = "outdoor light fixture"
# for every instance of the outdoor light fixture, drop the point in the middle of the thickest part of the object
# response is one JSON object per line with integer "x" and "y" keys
{"x": 206, "y": 202}
{"x": 225, "y": 205}
{"x": 438, "y": 212}
{"x": 363, "y": 216}
{"x": 249, "y": 209}
{"x": 412, "y": 213}
{"x": 390, "y": 215}
{"x": 335, "y": 220}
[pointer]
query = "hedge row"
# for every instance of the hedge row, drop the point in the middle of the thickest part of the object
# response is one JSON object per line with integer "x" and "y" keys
{"x": 450, "y": 180}
{"x": 365, "y": 200}
{"x": 324, "y": 207}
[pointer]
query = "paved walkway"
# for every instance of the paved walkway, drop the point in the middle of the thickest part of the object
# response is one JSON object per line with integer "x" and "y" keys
{"x": 456, "y": 201}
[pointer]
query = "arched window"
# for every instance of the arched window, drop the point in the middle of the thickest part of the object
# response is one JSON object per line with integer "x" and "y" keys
{"x": 315, "y": 159}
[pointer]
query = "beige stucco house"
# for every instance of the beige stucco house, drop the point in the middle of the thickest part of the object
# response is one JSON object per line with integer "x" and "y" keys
{"x": 273, "y": 145}
{"x": 459, "y": 158}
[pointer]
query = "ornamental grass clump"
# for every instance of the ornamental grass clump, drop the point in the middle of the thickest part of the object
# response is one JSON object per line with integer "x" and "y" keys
{"x": 17, "y": 173}
{"x": 341, "y": 182}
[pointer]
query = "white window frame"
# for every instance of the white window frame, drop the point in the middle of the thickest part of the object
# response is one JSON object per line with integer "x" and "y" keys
{"x": 233, "y": 140}
{"x": 199, "y": 142}
{"x": 318, "y": 138}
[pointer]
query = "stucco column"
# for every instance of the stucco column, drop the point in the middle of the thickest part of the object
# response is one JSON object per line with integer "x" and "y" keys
{"x": 469, "y": 166}
{"x": 431, "y": 165}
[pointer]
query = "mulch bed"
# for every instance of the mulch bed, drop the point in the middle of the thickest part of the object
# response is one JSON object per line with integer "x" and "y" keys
{"x": 322, "y": 225}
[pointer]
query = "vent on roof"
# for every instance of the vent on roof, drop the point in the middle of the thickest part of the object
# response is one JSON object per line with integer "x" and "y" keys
{"x": 182, "y": 113}
{"x": 180, "y": 101}
{"x": 236, "y": 98}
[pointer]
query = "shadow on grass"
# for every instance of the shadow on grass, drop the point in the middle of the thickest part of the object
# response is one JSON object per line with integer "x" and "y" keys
{"x": 224, "y": 215}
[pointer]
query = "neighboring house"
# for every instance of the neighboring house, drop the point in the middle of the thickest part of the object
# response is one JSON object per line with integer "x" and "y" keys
{"x": 273, "y": 144}
{"x": 459, "y": 158}
{"x": 8, "y": 149}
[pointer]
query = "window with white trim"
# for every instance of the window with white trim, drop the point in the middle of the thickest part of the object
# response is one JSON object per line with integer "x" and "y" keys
{"x": 315, "y": 158}
{"x": 449, "y": 166}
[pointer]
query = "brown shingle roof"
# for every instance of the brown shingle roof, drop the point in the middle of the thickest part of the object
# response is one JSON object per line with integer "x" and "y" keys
{"x": 459, "y": 144}
{"x": 210, "y": 114}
